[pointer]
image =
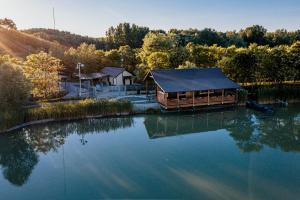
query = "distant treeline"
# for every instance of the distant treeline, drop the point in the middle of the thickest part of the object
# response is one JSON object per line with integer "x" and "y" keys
{"x": 63, "y": 37}
{"x": 251, "y": 55}
{"x": 133, "y": 35}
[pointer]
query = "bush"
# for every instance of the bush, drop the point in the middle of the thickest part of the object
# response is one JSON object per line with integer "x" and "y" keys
{"x": 242, "y": 96}
{"x": 14, "y": 87}
{"x": 283, "y": 92}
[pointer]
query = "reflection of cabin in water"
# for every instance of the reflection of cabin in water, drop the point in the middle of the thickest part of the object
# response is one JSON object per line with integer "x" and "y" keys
{"x": 179, "y": 88}
{"x": 172, "y": 125}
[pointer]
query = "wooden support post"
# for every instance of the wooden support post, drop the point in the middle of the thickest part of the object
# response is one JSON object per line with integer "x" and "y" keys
{"x": 177, "y": 100}
{"x": 223, "y": 96}
{"x": 193, "y": 99}
{"x": 156, "y": 93}
{"x": 207, "y": 97}
{"x": 166, "y": 98}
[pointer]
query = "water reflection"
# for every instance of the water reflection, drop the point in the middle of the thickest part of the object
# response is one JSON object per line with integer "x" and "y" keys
{"x": 251, "y": 131}
{"x": 171, "y": 125}
{"x": 17, "y": 158}
{"x": 19, "y": 151}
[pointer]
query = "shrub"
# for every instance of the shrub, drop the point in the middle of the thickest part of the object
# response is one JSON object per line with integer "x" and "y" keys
{"x": 14, "y": 87}
{"x": 242, "y": 96}
{"x": 284, "y": 92}
{"x": 83, "y": 108}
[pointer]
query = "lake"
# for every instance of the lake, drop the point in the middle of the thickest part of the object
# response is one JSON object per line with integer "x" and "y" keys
{"x": 232, "y": 154}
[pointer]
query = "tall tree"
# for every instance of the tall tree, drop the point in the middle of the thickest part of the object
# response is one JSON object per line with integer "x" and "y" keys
{"x": 128, "y": 57}
{"x": 241, "y": 67}
{"x": 294, "y": 54}
{"x": 86, "y": 54}
{"x": 126, "y": 34}
{"x": 14, "y": 87}
{"x": 201, "y": 55}
{"x": 158, "y": 60}
{"x": 254, "y": 34}
{"x": 43, "y": 71}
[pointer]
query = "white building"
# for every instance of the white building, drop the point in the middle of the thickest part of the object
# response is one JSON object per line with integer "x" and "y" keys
{"x": 117, "y": 76}
{"x": 109, "y": 76}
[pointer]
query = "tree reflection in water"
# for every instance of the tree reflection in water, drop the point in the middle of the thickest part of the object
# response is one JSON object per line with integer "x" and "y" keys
{"x": 17, "y": 158}
{"x": 250, "y": 130}
{"x": 19, "y": 151}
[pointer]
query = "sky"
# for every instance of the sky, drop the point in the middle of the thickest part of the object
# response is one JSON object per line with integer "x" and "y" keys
{"x": 94, "y": 17}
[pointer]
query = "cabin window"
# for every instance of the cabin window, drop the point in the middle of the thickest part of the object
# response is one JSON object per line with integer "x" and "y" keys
{"x": 229, "y": 92}
{"x": 172, "y": 95}
{"x": 215, "y": 93}
{"x": 182, "y": 95}
{"x": 201, "y": 93}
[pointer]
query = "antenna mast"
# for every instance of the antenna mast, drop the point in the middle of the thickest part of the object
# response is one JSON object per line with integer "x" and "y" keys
{"x": 53, "y": 13}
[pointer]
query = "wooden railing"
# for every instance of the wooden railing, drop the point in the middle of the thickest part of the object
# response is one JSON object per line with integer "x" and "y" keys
{"x": 198, "y": 101}
{"x": 201, "y": 101}
{"x": 229, "y": 98}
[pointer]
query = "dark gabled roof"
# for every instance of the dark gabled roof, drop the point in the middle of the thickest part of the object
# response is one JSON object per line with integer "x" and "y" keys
{"x": 196, "y": 79}
{"x": 113, "y": 71}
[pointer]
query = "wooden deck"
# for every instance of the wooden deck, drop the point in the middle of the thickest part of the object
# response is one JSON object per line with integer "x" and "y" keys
{"x": 192, "y": 101}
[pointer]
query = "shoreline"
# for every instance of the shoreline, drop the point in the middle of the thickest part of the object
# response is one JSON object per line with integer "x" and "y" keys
{"x": 43, "y": 121}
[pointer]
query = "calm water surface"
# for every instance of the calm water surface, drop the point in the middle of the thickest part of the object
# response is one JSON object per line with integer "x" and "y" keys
{"x": 234, "y": 154}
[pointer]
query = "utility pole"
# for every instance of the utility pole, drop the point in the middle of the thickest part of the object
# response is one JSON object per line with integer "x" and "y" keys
{"x": 53, "y": 15}
{"x": 79, "y": 66}
{"x": 122, "y": 60}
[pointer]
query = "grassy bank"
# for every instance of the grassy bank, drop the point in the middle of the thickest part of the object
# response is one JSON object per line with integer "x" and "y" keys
{"x": 80, "y": 109}
{"x": 287, "y": 92}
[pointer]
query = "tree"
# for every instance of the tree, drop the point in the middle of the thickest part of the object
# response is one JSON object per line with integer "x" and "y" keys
{"x": 276, "y": 64}
{"x": 279, "y": 37}
{"x": 254, "y": 34}
{"x": 295, "y": 60}
{"x": 154, "y": 42}
{"x": 125, "y": 34}
{"x": 178, "y": 56}
{"x": 158, "y": 60}
{"x": 209, "y": 37}
{"x": 233, "y": 38}
{"x": 86, "y": 54}
{"x": 112, "y": 58}
{"x": 201, "y": 55}
{"x": 241, "y": 67}
{"x": 42, "y": 70}
{"x": 129, "y": 57}
{"x": 9, "y": 59}
{"x": 8, "y": 23}
{"x": 14, "y": 87}
{"x": 187, "y": 65}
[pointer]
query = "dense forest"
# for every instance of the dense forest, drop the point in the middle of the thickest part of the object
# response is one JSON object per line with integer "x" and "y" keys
{"x": 63, "y": 37}
{"x": 32, "y": 61}
{"x": 133, "y": 35}
{"x": 250, "y": 55}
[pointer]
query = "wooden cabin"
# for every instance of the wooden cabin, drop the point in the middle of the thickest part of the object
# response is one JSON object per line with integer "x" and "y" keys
{"x": 183, "y": 88}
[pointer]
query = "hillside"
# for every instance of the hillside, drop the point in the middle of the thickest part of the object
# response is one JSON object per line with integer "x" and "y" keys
{"x": 21, "y": 44}
{"x": 64, "y": 37}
